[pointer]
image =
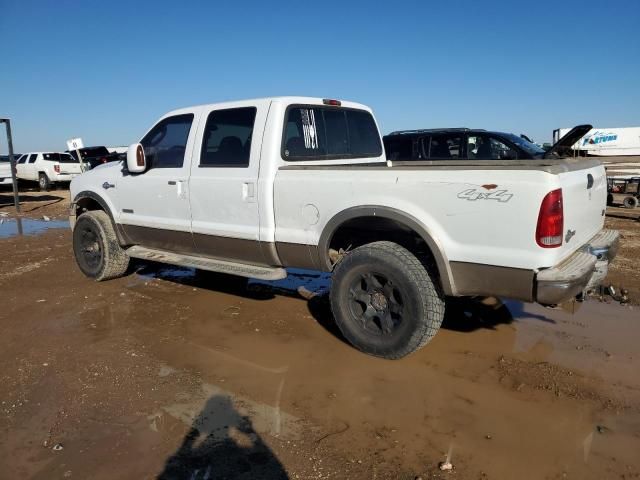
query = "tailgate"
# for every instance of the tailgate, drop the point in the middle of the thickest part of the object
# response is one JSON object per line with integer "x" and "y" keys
{"x": 584, "y": 194}
{"x": 70, "y": 168}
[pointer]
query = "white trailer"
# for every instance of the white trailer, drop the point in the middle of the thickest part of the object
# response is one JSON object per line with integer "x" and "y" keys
{"x": 608, "y": 142}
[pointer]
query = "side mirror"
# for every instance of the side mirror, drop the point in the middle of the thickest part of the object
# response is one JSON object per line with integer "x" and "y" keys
{"x": 136, "y": 159}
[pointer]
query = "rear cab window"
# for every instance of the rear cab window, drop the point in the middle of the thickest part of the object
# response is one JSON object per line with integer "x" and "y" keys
{"x": 58, "y": 157}
{"x": 315, "y": 132}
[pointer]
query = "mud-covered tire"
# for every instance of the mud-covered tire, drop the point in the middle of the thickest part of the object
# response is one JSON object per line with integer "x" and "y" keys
{"x": 96, "y": 248}
{"x": 44, "y": 184}
{"x": 630, "y": 202}
{"x": 385, "y": 301}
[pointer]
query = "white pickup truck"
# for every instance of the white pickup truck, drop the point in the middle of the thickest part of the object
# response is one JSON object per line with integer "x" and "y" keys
{"x": 47, "y": 168}
{"x": 253, "y": 187}
{"x": 5, "y": 173}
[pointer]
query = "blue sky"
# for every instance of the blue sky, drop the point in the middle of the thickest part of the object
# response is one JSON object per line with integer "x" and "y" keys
{"x": 105, "y": 70}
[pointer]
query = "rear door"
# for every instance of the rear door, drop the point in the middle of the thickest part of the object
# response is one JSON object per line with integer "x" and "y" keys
{"x": 224, "y": 182}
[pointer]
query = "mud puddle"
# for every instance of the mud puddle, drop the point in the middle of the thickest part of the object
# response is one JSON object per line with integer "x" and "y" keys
{"x": 10, "y": 227}
{"x": 512, "y": 389}
{"x": 169, "y": 373}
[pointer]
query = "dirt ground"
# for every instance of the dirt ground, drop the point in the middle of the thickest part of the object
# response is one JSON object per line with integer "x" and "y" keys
{"x": 168, "y": 374}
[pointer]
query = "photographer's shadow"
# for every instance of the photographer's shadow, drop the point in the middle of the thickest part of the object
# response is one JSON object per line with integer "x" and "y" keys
{"x": 222, "y": 444}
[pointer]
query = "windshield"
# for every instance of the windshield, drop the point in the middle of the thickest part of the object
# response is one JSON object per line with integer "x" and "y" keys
{"x": 528, "y": 147}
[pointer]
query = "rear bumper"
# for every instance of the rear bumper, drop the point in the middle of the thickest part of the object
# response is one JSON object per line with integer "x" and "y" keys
{"x": 584, "y": 269}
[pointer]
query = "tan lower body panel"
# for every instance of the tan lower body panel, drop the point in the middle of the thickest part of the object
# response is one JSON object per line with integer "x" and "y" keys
{"x": 478, "y": 279}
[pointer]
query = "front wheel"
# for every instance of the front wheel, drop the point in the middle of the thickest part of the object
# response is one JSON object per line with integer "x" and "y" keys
{"x": 96, "y": 247}
{"x": 385, "y": 301}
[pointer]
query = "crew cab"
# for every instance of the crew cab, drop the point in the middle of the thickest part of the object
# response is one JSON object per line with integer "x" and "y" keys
{"x": 253, "y": 187}
{"x": 47, "y": 168}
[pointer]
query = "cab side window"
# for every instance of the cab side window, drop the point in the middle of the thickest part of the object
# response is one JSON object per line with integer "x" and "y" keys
{"x": 23, "y": 159}
{"x": 227, "y": 138}
{"x": 32, "y": 157}
{"x": 485, "y": 147}
{"x": 165, "y": 145}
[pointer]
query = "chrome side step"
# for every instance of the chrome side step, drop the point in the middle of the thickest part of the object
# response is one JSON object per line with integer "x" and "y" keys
{"x": 211, "y": 264}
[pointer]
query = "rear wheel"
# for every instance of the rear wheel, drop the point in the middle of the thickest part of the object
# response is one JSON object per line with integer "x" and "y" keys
{"x": 385, "y": 301}
{"x": 96, "y": 247}
{"x": 43, "y": 182}
{"x": 630, "y": 202}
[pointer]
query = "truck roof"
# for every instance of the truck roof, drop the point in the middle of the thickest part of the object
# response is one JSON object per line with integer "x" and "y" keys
{"x": 282, "y": 99}
{"x": 436, "y": 130}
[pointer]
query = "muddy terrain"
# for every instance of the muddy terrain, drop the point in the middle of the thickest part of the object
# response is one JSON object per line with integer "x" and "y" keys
{"x": 168, "y": 373}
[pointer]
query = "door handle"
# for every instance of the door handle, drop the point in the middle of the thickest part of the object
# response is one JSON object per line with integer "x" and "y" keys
{"x": 171, "y": 182}
{"x": 589, "y": 181}
{"x": 107, "y": 185}
{"x": 248, "y": 191}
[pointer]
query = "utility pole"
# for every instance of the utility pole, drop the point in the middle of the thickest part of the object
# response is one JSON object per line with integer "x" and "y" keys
{"x": 12, "y": 161}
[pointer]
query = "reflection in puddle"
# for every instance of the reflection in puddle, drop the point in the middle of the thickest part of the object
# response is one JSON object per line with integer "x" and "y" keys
{"x": 308, "y": 283}
{"x": 10, "y": 227}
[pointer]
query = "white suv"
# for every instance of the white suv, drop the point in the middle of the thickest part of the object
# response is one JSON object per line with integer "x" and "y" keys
{"x": 47, "y": 168}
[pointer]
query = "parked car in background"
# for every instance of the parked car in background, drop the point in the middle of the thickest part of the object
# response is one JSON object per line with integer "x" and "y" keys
{"x": 47, "y": 168}
{"x": 254, "y": 187}
{"x": 94, "y": 156}
{"x": 5, "y": 158}
{"x": 623, "y": 190}
{"x": 459, "y": 143}
{"x": 5, "y": 171}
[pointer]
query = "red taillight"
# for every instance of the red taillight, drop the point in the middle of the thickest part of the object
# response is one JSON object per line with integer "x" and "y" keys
{"x": 330, "y": 101}
{"x": 103, "y": 160}
{"x": 550, "y": 220}
{"x": 56, "y": 168}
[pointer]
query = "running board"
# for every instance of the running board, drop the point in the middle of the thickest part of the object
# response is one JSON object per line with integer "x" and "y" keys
{"x": 211, "y": 264}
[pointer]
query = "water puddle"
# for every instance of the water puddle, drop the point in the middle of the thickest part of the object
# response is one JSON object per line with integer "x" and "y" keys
{"x": 600, "y": 339}
{"x": 308, "y": 283}
{"x": 10, "y": 227}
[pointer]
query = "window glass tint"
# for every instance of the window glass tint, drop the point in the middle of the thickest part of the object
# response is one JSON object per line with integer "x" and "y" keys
{"x": 527, "y": 146}
{"x": 32, "y": 157}
{"x": 484, "y": 147}
{"x": 327, "y": 133}
{"x": 227, "y": 138}
{"x": 22, "y": 159}
{"x": 363, "y": 133}
{"x": 66, "y": 158}
{"x": 445, "y": 147}
{"x": 94, "y": 152}
{"x": 399, "y": 148}
{"x": 165, "y": 145}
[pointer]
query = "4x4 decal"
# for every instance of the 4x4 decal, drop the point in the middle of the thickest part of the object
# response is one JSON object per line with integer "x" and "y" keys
{"x": 473, "y": 194}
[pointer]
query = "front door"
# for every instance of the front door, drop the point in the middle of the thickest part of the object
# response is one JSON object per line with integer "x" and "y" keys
{"x": 30, "y": 171}
{"x": 224, "y": 183}
{"x": 153, "y": 207}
